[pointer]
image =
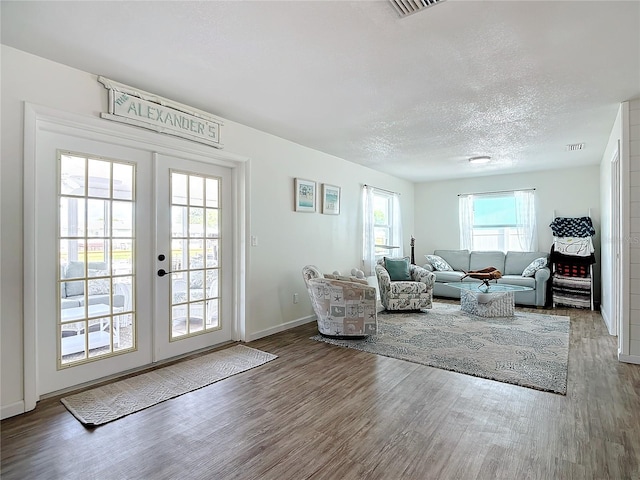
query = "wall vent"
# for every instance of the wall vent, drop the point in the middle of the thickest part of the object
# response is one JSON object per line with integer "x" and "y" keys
{"x": 575, "y": 146}
{"x": 405, "y": 8}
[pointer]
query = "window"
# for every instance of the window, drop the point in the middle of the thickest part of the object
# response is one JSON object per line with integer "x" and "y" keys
{"x": 498, "y": 221}
{"x": 382, "y": 226}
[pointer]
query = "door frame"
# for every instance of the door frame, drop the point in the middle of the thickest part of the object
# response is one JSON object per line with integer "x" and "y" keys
{"x": 616, "y": 244}
{"x": 39, "y": 118}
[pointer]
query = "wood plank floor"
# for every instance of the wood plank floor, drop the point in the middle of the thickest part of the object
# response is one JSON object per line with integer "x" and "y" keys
{"x": 325, "y": 412}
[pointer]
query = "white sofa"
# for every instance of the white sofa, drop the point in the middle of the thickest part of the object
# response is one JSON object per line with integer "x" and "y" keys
{"x": 73, "y": 292}
{"x": 101, "y": 302}
{"x": 510, "y": 264}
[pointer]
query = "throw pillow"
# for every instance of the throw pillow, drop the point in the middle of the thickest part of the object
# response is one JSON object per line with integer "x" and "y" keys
{"x": 439, "y": 263}
{"x": 534, "y": 266}
{"x": 357, "y": 273}
{"x": 99, "y": 287}
{"x": 398, "y": 269}
{"x": 346, "y": 278}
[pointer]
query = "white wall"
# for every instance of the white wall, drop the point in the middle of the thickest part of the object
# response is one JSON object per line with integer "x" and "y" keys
{"x": 606, "y": 240}
{"x": 570, "y": 192}
{"x": 25, "y": 77}
{"x": 286, "y": 240}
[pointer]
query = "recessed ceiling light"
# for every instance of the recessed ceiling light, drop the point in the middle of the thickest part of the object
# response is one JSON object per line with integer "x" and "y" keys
{"x": 480, "y": 159}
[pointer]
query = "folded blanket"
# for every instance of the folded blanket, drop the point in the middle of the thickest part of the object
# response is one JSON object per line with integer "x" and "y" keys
{"x": 572, "y": 270}
{"x": 578, "y": 246}
{"x": 571, "y": 283}
{"x": 556, "y": 257}
{"x": 572, "y": 291}
{"x": 572, "y": 227}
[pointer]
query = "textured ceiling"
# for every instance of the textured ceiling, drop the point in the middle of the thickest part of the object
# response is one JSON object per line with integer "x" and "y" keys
{"x": 413, "y": 97}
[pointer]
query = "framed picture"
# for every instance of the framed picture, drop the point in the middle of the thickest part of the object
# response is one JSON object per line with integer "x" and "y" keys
{"x": 305, "y": 195}
{"x": 330, "y": 199}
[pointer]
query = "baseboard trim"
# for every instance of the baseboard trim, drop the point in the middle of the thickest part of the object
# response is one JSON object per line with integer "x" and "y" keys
{"x": 12, "y": 410}
{"x": 607, "y": 321}
{"x": 280, "y": 328}
{"x": 629, "y": 358}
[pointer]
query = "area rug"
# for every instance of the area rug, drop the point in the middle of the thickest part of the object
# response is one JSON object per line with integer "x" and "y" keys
{"x": 528, "y": 349}
{"x": 115, "y": 400}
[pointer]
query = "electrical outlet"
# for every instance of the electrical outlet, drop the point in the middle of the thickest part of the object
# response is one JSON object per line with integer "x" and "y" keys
{"x": 295, "y": 298}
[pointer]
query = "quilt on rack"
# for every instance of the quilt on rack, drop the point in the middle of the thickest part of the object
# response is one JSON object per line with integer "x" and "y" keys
{"x": 569, "y": 270}
{"x": 577, "y": 246}
{"x": 572, "y": 227}
{"x": 572, "y": 255}
{"x": 573, "y": 291}
{"x": 556, "y": 257}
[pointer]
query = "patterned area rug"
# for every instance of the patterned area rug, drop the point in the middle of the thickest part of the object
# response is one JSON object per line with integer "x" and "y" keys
{"x": 528, "y": 349}
{"x": 110, "y": 402}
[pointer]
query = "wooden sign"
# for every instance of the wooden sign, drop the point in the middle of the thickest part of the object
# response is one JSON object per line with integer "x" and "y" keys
{"x": 136, "y": 107}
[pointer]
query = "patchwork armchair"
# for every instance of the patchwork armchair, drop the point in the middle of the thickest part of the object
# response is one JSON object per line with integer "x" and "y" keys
{"x": 404, "y": 286}
{"x": 343, "y": 308}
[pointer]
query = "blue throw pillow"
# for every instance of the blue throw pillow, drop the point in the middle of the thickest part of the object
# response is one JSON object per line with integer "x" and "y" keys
{"x": 398, "y": 269}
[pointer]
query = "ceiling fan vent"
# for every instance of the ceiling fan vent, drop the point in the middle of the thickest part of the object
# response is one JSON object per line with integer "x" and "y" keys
{"x": 405, "y": 8}
{"x": 575, "y": 146}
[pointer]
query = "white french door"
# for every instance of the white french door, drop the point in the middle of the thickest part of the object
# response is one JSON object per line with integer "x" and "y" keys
{"x": 104, "y": 212}
{"x": 75, "y": 226}
{"x": 193, "y": 263}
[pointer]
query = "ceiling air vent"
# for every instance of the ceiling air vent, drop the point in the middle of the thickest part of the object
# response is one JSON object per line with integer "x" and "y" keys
{"x": 575, "y": 146}
{"x": 405, "y": 8}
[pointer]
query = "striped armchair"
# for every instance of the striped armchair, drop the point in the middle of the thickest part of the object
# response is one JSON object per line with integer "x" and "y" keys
{"x": 343, "y": 308}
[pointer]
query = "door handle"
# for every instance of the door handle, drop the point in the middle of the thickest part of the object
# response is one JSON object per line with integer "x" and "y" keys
{"x": 162, "y": 272}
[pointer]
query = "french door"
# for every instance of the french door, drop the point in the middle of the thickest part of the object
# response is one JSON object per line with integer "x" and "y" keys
{"x": 108, "y": 214}
{"x": 193, "y": 285}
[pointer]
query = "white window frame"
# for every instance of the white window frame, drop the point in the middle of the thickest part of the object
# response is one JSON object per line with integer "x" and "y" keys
{"x": 391, "y": 247}
{"x": 371, "y": 252}
{"x": 519, "y": 236}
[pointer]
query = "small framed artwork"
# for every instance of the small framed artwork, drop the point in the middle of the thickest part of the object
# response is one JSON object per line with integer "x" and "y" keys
{"x": 330, "y": 199}
{"x": 305, "y": 195}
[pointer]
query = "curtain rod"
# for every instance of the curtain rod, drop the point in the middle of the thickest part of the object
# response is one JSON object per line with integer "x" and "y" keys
{"x": 499, "y": 191}
{"x": 381, "y": 189}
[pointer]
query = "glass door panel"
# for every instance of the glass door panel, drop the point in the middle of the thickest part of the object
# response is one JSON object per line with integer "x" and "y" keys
{"x": 96, "y": 256}
{"x": 194, "y": 262}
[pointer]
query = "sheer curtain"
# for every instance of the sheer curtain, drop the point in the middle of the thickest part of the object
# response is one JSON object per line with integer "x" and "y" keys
{"x": 526, "y": 220}
{"x": 465, "y": 205}
{"x": 396, "y": 227}
{"x": 368, "y": 236}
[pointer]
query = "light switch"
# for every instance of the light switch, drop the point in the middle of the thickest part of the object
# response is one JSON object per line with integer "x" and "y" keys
{"x": 254, "y": 241}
